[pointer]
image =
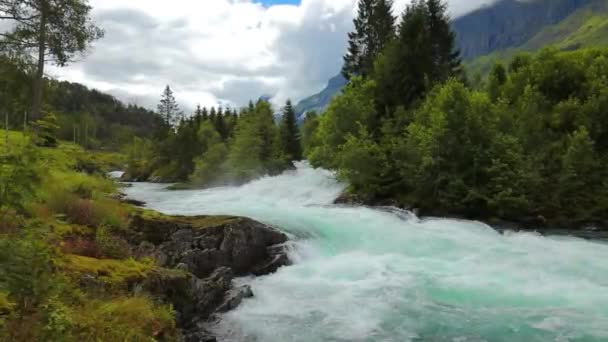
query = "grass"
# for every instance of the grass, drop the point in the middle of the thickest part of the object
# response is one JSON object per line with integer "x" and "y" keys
{"x": 109, "y": 271}
{"x": 126, "y": 319}
{"x": 59, "y": 231}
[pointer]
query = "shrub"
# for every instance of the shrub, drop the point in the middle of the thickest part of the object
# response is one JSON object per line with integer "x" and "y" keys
{"x": 126, "y": 319}
{"x": 111, "y": 246}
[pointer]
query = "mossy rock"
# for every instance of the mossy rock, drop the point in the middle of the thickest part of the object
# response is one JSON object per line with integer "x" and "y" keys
{"x": 151, "y": 226}
{"x": 109, "y": 274}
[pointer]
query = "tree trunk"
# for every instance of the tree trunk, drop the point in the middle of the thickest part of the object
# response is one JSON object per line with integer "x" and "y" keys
{"x": 39, "y": 78}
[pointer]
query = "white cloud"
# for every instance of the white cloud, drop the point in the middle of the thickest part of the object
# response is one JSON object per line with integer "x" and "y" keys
{"x": 218, "y": 50}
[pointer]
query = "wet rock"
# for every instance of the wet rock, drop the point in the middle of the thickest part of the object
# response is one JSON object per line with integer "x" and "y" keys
{"x": 234, "y": 298}
{"x": 201, "y": 256}
{"x": 206, "y": 243}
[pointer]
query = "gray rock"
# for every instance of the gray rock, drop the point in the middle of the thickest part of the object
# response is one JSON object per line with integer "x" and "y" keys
{"x": 206, "y": 254}
{"x": 234, "y": 298}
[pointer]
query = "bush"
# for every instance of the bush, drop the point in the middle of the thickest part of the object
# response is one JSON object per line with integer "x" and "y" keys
{"x": 87, "y": 212}
{"x": 126, "y": 319}
{"x": 26, "y": 268}
{"x": 111, "y": 246}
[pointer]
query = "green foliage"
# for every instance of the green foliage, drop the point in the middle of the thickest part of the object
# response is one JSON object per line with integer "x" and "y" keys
{"x": 26, "y": 271}
{"x": 126, "y": 319}
{"x": 344, "y": 117}
{"x": 362, "y": 162}
{"x": 374, "y": 29}
{"x": 308, "y": 129}
{"x": 18, "y": 173}
{"x": 256, "y": 149}
{"x": 290, "y": 135}
{"x": 111, "y": 245}
{"x": 46, "y": 129}
{"x": 217, "y": 147}
{"x": 84, "y": 116}
{"x": 168, "y": 108}
{"x": 531, "y": 145}
{"x": 208, "y": 168}
{"x": 422, "y": 55}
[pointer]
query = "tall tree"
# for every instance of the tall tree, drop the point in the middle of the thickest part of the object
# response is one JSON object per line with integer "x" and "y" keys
{"x": 212, "y": 115}
{"x": 290, "y": 137}
{"x": 47, "y": 31}
{"x": 446, "y": 57}
{"x": 220, "y": 124}
{"x": 374, "y": 29}
{"x": 422, "y": 56}
{"x": 168, "y": 108}
{"x": 205, "y": 114}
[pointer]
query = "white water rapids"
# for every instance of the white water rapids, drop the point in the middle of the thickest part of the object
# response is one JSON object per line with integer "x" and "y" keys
{"x": 363, "y": 274}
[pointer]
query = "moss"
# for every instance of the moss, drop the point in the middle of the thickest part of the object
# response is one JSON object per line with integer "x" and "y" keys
{"x": 200, "y": 222}
{"x": 109, "y": 271}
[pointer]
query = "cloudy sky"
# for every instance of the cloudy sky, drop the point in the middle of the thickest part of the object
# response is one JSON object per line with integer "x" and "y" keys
{"x": 219, "y": 51}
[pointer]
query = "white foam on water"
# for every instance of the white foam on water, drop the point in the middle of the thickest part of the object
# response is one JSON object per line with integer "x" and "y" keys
{"x": 363, "y": 274}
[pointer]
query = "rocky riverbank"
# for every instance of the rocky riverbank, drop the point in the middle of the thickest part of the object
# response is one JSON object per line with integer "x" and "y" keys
{"x": 538, "y": 223}
{"x": 203, "y": 255}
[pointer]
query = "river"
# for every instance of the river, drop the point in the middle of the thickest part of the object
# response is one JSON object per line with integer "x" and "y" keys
{"x": 363, "y": 274}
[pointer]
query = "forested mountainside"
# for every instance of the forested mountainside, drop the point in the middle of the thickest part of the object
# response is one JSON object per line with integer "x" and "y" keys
{"x": 86, "y": 116}
{"x": 498, "y": 31}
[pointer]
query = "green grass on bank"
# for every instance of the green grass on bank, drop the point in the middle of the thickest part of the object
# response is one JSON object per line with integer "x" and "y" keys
{"x": 65, "y": 269}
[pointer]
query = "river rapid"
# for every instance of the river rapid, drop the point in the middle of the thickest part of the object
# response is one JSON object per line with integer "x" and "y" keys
{"x": 364, "y": 274}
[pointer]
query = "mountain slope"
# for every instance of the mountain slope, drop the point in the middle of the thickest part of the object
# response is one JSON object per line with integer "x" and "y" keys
{"x": 585, "y": 27}
{"x": 319, "y": 102}
{"x": 509, "y": 23}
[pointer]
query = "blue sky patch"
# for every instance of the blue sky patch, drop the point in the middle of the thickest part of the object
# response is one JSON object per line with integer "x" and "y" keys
{"x": 279, "y": 2}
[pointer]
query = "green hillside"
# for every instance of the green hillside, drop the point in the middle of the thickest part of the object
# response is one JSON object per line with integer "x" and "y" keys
{"x": 586, "y": 27}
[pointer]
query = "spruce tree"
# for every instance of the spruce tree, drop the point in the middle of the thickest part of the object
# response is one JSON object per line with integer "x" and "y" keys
{"x": 220, "y": 124}
{"x": 446, "y": 57}
{"x": 198, "y": 115}
{"x": 422, "y": 55}
{"x": 212, "y": 115}
{"x": 205, "y": 114}
{"x": 290, "y": 138}
{"x": 168, "y": 108}
{"x": 374, "y": 29}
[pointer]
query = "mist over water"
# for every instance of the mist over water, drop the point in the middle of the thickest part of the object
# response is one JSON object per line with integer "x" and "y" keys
{"x": 363, "y": 274}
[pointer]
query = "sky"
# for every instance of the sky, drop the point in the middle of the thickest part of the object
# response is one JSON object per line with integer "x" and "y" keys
{"x": 218, "y": 51}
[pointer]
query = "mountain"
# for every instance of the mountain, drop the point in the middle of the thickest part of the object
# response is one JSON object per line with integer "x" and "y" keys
{"x": 509, "y": 23}
{"x": 499, "y": 31}
{"x": 319, "y": 102}
{"x": 585, "y": 27}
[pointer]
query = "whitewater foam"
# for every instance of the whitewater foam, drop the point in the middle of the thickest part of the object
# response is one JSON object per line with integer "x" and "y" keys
{"x": 364, "y": 274}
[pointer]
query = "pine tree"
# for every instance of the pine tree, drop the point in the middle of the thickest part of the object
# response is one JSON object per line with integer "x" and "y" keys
{"x": 422, "y": 55}
{"x": 212, "y": 115}
{"x": 290, "y": 138}
{"x": 53, "y": 31}
{"x": 205, "y": 114}
{"x": 198, "y": 115}
{"x": 446, "y": 57}
{"x": 374, "y": 29}
{"x": 168, "y": 108}
{"x": 220, "y": 124}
